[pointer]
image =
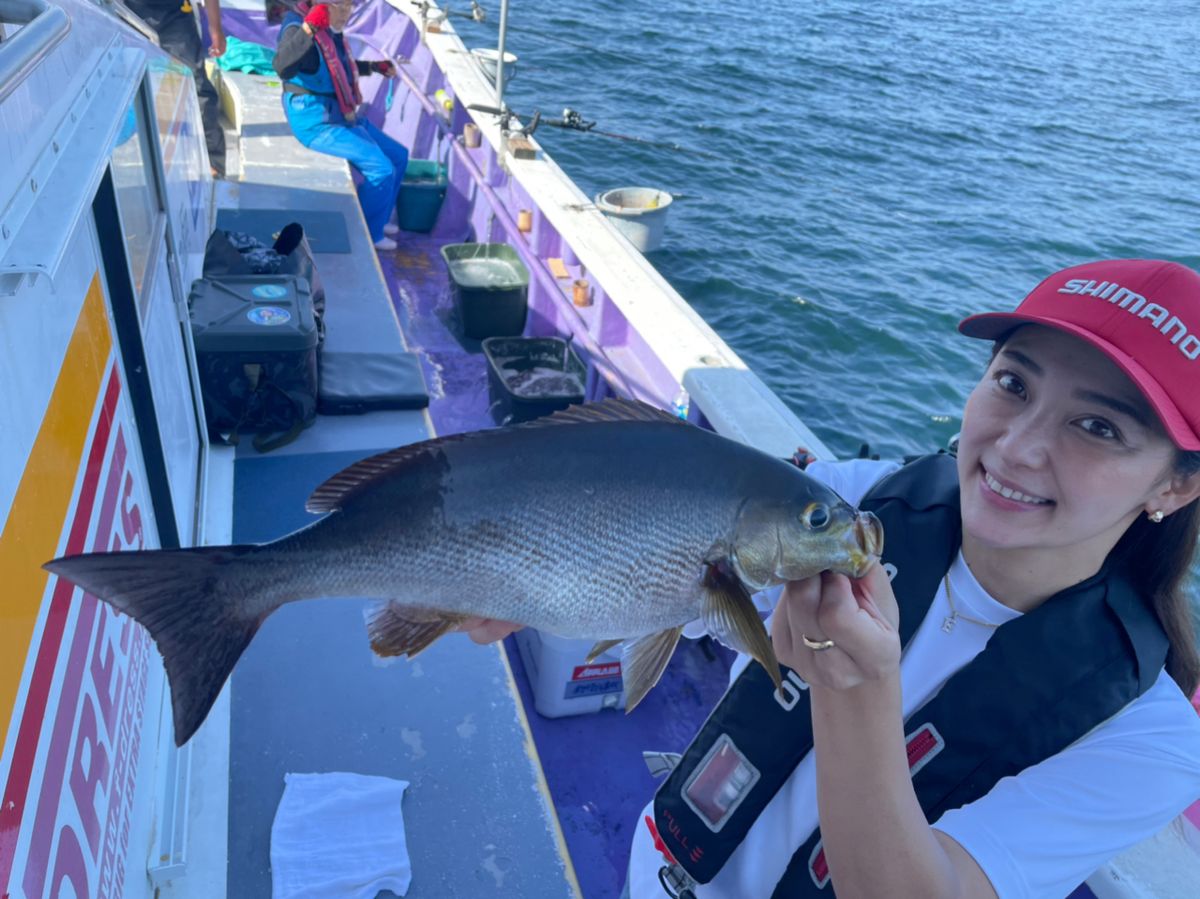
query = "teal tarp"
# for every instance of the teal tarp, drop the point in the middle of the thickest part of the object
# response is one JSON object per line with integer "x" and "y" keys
{"x": 244, "y": 56}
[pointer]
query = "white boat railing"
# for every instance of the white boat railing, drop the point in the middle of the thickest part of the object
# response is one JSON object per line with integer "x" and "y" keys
{"x": 43, "y": 28}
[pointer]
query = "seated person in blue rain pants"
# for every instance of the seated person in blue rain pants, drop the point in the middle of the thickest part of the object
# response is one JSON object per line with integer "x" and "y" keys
{"x": 321, "y": 100}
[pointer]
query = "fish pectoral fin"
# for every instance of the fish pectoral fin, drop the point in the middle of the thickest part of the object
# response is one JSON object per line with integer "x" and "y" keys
{"x": 730, "y": 615}
{"x": 600, "y": 649}
{"x": 398, "y": 630}
{"x": 643, "y": 662}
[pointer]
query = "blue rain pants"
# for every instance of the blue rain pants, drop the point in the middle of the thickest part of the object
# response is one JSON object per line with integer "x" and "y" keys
{"x": 319, "y": 125}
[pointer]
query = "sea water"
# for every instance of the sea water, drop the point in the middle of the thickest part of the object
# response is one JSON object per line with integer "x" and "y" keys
{"x": 876, "y": 171}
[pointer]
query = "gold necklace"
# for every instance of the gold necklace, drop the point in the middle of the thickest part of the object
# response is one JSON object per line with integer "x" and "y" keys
{"x": 955, "y": 615}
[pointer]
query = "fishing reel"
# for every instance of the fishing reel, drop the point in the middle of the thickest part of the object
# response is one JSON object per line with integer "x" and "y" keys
{"x": 430, "y": 13}
{"x": 506, "y": 116}
{"x": 477, "y": 13}
{"x": 573, "y": 121}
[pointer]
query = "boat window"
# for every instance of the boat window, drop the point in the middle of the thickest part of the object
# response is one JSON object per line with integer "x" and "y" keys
{"x": 137, "y": 198}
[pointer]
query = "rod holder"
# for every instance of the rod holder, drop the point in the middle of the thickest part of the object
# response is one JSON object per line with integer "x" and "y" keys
{"x": 581, "y": 293}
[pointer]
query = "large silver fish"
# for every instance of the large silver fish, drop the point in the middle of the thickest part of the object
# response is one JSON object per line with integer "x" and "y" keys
{"x": 611, "y": 521}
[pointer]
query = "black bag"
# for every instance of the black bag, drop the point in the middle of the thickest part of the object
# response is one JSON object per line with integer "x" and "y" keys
{"x": 272, "y": 399}
{"x": 261, "y": 380}
{"x": 237, "y": 253}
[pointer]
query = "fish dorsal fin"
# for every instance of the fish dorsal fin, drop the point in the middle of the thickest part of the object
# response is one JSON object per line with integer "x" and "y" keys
{"x": 605, "y": 410}
{"x": 332, "y": 494}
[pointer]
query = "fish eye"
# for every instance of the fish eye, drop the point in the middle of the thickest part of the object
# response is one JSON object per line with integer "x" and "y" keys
{"x": 816, "y": 516}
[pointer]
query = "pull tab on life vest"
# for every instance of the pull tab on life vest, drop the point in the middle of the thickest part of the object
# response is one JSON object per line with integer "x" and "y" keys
{"x": 675, "y": 881}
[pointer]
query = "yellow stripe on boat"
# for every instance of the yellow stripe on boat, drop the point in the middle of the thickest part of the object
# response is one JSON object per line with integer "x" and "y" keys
{"x": 43, "y": 497}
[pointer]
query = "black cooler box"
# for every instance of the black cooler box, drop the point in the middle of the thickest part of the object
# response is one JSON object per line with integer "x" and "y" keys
{"x": 256, "y": 344}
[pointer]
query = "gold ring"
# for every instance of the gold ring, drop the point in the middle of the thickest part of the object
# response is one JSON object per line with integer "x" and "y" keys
{"x": 817, "y": 645}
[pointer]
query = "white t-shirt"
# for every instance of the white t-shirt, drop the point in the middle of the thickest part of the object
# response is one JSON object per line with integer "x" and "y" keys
{"x": 1038, "y": 834}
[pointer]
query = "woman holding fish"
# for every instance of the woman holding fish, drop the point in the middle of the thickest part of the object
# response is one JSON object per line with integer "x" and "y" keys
{"x": 1011, "y": 709}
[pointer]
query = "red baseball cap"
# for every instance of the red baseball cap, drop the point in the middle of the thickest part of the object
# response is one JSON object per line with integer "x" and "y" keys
{"x": 1144, "y": 314}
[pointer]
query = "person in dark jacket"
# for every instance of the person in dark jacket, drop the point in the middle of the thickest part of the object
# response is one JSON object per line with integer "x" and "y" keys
{"x": 179, "y": 34}
{"x": 321, "y": 100}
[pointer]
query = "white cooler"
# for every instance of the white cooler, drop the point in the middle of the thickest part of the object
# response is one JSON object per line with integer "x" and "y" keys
{"x": 563, "y": 681}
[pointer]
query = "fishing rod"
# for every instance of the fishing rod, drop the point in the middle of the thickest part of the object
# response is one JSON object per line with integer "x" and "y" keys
{"x": 572, "y": 120}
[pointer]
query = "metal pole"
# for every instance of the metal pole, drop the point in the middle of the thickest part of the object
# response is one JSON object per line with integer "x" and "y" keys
{"x": 500, "y": 55}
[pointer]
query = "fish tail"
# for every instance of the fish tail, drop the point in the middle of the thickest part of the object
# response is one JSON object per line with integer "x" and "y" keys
{"x": 191, "y": 605}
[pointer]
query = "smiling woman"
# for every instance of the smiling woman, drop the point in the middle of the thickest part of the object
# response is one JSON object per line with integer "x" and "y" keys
{"x": 1059, "y": 455}
{"x": 1102, "y": 406}
{"x": 1037, "y": 721}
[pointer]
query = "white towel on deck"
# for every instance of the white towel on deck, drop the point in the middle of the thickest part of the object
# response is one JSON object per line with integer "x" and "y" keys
{"x": 339, "y": 836}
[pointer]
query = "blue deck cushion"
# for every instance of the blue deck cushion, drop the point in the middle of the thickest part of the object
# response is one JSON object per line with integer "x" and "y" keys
{"x": 352, "y": 383}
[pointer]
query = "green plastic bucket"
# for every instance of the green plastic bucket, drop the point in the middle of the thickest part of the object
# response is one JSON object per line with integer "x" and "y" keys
{"x": 421, "y": 194}
{"x": 490, "y": 285}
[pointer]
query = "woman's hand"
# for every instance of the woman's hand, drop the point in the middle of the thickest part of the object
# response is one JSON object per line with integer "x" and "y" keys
{"x": 488, "y": 630}
{"x": 860, "y": 617}
{"x": 383, "y": 67}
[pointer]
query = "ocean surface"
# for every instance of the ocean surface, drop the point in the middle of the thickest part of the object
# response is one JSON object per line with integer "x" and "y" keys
{"x": 858, "y": 176}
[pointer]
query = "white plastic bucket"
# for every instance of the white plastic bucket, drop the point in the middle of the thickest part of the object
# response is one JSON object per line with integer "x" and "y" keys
{"x": 640, "y": 213}
{"x": 487, "y": 61}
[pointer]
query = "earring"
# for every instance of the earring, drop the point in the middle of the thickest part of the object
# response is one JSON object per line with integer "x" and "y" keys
{"x": 1156, "y": 516}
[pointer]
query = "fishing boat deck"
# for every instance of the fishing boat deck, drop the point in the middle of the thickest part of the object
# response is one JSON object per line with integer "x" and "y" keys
{"x": 308, "y": 696}
{"x": 456, "y": 723}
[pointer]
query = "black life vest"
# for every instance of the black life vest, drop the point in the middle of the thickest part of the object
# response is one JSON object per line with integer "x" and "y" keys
{"x": 1043, "y": 681}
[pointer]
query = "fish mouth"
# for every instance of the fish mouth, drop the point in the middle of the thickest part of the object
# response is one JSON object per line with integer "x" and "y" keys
{"x": 868, "y": 533}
